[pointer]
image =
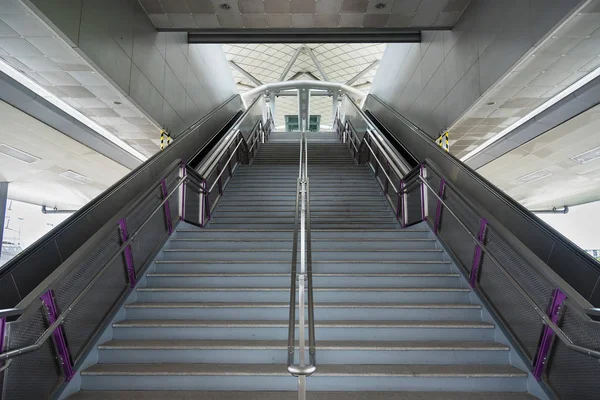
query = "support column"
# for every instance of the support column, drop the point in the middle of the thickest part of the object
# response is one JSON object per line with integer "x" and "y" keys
{"x": 3, "y": 201}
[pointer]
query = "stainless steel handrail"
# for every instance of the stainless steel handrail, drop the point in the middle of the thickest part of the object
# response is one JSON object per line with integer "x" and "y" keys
{"x": 302, "y": 217}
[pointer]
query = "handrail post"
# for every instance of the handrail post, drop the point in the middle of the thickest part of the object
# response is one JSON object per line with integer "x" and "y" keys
{"x": 167, "y": 206}
{"x": 554, "y": 311}
{"x": 62, "y": 349}
{"x": 478, "y": 253}
{"x": 183, "y": 175}
{"x": 438, "y": 211}
{"x": 424, "y": 194}
{"x": 127, "y": 252}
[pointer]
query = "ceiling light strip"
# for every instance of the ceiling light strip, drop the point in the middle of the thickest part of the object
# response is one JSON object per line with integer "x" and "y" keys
{"x": 558, "y": 97}
{"x": 50, "y": 97}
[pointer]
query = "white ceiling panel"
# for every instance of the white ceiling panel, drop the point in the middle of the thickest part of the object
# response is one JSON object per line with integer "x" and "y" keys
{"x": 40, "y": 182}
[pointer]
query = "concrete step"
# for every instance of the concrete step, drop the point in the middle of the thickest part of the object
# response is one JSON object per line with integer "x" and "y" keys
{"x": 293, "y": 395}
{"x": 190, "y": 376}
{"x": 284, "y": 265}
{"x": 381, "y": 330}
{"x": 321, "y": 294}
{"x": 339, "y": 280}
{"x": 282, "y": 244}
{"x": 323, "y": 311}
{"x": 317, "y": 254}
{"x": 275, "y": 352}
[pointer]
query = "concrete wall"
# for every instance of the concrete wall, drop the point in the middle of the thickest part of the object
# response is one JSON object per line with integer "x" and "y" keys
{"x": 434, "y": 82}
{"x": 173, "y": 82}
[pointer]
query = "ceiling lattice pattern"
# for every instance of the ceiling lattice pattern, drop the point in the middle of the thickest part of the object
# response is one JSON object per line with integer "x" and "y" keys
{"x": 215, "y": 14}
{"x": 340, "y": 62}
{"x": 266, "y": 62}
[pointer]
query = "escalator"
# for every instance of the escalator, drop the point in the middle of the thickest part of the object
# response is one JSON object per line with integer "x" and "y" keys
{"x": 350, "y": 264}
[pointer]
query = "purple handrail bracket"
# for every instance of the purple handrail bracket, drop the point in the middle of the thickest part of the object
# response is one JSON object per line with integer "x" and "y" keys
{"x": 220, "y": 176}
{"x": 387, "y": 181}
{"x": 478, "y": 253}
{"x": 541, "y": 358}
{"x": 438, "y": 211}
{"x": 206, "y": 208}
{"x": 424, "y": 205}
{"x": 2, "y": 332}
{"x": 127, "y": 252}
{"x": 167, "y": 206}
{"x": 183, "y": 190}
{"x": 402, "y": 205}
{"x": 62, "y": 349}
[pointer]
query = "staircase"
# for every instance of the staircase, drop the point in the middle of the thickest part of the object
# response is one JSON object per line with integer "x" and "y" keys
{"x": 394, "y": 318}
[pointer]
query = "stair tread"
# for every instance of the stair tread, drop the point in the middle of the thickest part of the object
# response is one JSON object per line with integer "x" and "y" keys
{"x": 293, "y": 395}
{"x": 345, "y": 274}
{"x": 321, "y": 345}
{"x": 287, "y": 289}
{"x": 180, "y": 323}
{"x": 396, "y": 250}
{"x": 316, "y": 305}
{"x": 381, "y": 370}
{"x": 396, "y": 262}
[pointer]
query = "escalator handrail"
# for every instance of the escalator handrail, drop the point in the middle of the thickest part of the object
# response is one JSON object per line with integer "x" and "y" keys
{"x": 541, "y": 267}
{"x": 211, "y": 161}
{"x": 32, "y": 300}
{"x": 576, "y": 302}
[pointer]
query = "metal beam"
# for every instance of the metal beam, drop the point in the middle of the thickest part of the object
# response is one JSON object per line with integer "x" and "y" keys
{"x": 363, "y": 72}
{"x": 291, "y": 63}
{"x": 245, "y": 73}
{"x": 278, "y": 86}
{"x": 311, "y": 35}
{"x": 317, "y": 63}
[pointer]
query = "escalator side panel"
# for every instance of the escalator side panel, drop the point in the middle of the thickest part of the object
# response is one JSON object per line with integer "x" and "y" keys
{"x": 571, "y": 263}
{"x": 23, "y": 273}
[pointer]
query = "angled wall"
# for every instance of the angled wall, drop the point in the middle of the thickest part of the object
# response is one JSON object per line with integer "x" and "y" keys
{"x": 172, "y": 82}
{"x": 434, "y": 82}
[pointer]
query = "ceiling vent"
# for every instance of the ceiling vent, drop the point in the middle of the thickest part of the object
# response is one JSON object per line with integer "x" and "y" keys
{"x": 588, "y": 156}
{"x": 18, "y": 154}
{"x": 534, "y": 176}
{"x": 74, "y": 176}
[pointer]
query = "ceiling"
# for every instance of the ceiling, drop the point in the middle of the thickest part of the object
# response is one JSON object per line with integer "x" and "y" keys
{"x": 266, "y": 63}
{"x": 40, "y": 182}
{"x": 568, "y": 54}
{"x": 544, "y": 173}
{"x": 207, "y": 14}
{"x": 31, "y": 48}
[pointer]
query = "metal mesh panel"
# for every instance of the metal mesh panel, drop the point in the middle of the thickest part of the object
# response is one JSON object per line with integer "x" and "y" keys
{"x": 146, "y": 242}
{"x": 69, "y": 287}
{"x": 523, "y": 273}
{"x": 84, "y": 320}
{"x": 143, "y": 210}
{"x": 574, "y": 375}
{"x": 413, "y": 205}
{"x": 193, "y": 212}
{"x": 33, "y": 375}
{"x": 518, "y": 315}
{"x": 455, "y": 236}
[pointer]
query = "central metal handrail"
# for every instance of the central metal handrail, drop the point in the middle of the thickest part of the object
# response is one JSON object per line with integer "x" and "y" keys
{"x": 302, "y": 280}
